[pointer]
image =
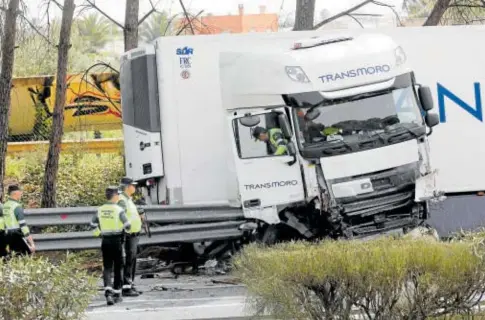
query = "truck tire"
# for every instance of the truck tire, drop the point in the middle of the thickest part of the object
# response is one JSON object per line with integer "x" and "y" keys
{"x": 270, "y": 235}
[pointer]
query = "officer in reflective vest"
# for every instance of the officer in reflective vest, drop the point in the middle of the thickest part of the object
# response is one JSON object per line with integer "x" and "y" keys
{"x": 128, "y": 187}
{"x": 275, "y": 137}
{"x": 3, "y": 239}
{"x": 110, "y": 221}
{"x": 19, "y": 239}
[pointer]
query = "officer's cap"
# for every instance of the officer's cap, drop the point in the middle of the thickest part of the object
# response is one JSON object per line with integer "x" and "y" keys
{"x": 13, "y": 188}
{"x": 257, "y": 131}
{"x": 110, "y": 192}
{"x": 126, "y": 181}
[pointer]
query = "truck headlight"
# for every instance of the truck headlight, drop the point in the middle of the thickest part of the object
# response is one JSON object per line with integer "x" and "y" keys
{"x": 400, "y": 56}
{"x": 297, "y": 74}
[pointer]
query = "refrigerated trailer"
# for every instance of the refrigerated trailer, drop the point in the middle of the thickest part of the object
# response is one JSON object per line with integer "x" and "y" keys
{"x": 350, "y": 108}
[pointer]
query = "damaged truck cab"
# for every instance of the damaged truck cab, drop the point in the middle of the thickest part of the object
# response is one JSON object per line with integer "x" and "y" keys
{"x": 353, "y": 123}
{"x": 304, "y": 139}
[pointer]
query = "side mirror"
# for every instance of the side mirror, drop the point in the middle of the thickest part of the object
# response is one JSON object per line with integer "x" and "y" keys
{"x": 285, "y": 125}
{"x": 312, "y": 114}
{"x": 426, "y": 98}
{"x": 250, "y": 121}
{"x": 291, "y": 148}
{"x": 432, "y": 119}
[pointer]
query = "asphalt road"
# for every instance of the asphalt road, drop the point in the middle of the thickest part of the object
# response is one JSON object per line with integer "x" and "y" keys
{"x": 187, "y": 297}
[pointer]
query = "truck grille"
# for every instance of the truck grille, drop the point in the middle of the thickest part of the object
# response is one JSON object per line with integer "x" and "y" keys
{"x": 393, "y": 195}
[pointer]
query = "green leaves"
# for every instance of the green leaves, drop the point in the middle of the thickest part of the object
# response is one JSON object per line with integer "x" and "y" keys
{"x": 380, "y": 279}
{"x": 35, "y": 56}
{"x": 34, "y": 288}
{"x": 82, "y": 177}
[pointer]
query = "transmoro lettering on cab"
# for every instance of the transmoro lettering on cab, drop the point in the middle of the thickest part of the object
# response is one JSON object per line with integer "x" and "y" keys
{"x": 269, "y": 185}
{"x": 355, "y": 73}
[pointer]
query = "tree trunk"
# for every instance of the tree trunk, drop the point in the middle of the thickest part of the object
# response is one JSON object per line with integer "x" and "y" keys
{"x": 52, "y": 163}
{"x": 437, "y": 13}
{"x": 131, "y": 24}
{"x": 8, "y": 54}
{"x": 305, "y": 13}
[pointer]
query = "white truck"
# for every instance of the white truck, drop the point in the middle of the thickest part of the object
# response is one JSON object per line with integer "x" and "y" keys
{"x": 345, "y": 108}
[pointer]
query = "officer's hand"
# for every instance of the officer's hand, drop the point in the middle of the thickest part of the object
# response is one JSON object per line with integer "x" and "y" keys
{"x": 142, "y": 217}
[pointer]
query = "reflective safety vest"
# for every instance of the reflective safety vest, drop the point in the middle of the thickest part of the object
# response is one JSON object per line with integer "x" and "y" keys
{"x": 330, "y": 130}
{"x": 109, "y": 219}
{"x": 10, "y": 219}
{"x": 132, "y": 214}
{"x": 2, "y": 220}
{"x": 277, "y": 141}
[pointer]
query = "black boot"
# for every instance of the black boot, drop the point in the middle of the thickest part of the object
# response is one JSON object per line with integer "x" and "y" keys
{"x": 130, "y": 293}
{"x": 136, "y": 290}
{"x": 117, "y": 298}
{"x": 109, "y": 300}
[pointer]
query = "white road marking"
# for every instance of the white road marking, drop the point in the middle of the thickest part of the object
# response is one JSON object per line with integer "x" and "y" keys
{"x": 131, "y": 300}
{"x": 124, "y": 310}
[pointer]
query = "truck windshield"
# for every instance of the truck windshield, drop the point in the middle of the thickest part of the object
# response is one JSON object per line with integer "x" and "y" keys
{"x": 358, "y": 123}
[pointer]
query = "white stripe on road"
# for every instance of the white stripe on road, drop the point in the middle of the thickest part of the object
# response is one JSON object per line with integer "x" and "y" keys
{"x": 131, "y": 300}
{"x": 214, "y": 310}
{"x": 148, "y": 309}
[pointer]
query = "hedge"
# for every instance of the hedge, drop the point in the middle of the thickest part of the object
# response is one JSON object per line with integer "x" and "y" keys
{"x": 34, "y": 288}
{"x": 381, "y": 279}
{"x": 81, "y": 181}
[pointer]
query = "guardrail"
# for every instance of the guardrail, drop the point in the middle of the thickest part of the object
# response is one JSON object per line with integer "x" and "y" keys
{"x": 157, "y": 214}
{"x": 184, "y": 224}
{"x": 91, "y": 146}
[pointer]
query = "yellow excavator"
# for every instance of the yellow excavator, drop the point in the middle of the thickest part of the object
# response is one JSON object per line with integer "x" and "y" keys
{"x": 92, "y": 104}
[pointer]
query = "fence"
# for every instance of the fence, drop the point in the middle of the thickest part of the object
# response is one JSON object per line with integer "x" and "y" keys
{"x": 184, "y": 224}
{"x": 91, "y": 146}
{"x": 92, "y": 105}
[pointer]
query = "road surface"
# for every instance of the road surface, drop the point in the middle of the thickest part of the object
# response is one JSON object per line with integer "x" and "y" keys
{"x": 175, "y": 299}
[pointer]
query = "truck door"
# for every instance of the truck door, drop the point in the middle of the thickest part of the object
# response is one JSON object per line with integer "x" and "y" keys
{"x": 268, "y": 175}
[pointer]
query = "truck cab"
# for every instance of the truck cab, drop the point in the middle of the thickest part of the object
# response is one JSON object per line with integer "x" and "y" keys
{"x": 329, "y": 137}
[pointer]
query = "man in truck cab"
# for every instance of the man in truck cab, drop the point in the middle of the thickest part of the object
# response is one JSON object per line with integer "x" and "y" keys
{"x": 274, "y": 136}
{"x": 313, "y": 131}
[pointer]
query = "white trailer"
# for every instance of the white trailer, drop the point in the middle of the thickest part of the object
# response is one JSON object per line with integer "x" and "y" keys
{"x": 191, "y": 103}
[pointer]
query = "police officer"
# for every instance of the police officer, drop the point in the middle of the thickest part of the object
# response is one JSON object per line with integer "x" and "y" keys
{"x": 275, "y": 137}
{"x": 19, "y": 239}
{"x": 109, "y": 222}
{"x": 128, "y": 187}
{"x": 3, "y": 239}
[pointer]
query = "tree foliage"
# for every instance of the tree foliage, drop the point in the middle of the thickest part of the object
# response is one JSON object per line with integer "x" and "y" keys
{"x": 154, "y": 27}
{"x": 96, "y": 31}
{"x": 459, "y": 12}
{"x": 34, "y": 288}
{"x": 35, "y": 56}
{"x": 81, "y": 181}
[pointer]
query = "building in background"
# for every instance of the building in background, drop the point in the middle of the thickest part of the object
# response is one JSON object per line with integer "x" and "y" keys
{"x": 240, "y": 23}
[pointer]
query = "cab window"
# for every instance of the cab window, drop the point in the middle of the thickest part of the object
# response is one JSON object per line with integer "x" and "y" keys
{"x": 265, "y": 139}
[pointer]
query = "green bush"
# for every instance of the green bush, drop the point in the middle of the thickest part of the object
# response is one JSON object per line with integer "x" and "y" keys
{"x": 81, "y": 181}
{"x": 382, "y": 279}
{"x": 34, "y": 288}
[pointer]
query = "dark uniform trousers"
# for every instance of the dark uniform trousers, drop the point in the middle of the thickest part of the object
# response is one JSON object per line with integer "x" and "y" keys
{"x": 16, "y": 243}
{"x": 112, "y": 249}
{"x": 3, "y": 244}
{"x": 131, "y": 247}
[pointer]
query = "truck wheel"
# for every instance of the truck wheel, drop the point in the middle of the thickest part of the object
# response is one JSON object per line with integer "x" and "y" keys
{"x": 270, "y": 235}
